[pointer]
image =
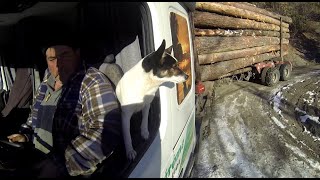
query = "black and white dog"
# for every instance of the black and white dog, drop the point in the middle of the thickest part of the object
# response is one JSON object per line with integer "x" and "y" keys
{"x": 136, "y": 89}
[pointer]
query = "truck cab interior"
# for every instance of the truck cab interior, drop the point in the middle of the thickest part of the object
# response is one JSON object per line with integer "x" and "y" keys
{"x": 122, "y": 31}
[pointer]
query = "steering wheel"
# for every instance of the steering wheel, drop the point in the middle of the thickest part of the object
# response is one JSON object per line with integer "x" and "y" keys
{"x": 12, "y": 144}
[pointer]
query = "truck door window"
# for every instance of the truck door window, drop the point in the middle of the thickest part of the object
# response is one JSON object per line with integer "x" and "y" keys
{"x": 181, "y": 49}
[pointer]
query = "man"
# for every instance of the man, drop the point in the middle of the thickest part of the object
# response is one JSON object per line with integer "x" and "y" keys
{"x": 75, "y": 116}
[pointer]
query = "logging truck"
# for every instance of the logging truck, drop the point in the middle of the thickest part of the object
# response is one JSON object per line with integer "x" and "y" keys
{"x": 238, "y": 38}
{"x": 240, "y": 41}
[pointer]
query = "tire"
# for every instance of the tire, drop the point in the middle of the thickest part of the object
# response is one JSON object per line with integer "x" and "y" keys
{"x": 285, "y": 72}
{"x": 272, "y": 76}
{"x": 263, "y": 75}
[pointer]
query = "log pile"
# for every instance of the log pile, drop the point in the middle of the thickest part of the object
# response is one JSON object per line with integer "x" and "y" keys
{"x": 232, "y": 36}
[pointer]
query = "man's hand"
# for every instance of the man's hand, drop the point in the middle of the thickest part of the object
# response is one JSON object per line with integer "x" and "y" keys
{"x": 17, "y": 138}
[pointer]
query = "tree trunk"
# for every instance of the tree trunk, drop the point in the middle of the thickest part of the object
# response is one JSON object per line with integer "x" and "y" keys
{"x": 214, "y": 71}
{"x": 196, "y": 63}
{"x": 237, "y": 12}
{"x": 223, "y": 56}
{"x": 246, "y": 3}
{"x": 258, "y": 10}
{"x": 207, "y": 45}
{"x": 245, "y": 32}
{"x": 213, "y": 20}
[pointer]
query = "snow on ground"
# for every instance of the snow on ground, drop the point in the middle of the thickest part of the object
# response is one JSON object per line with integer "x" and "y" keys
{"x": 276, "y": 101}
{"x": 275, "y": 120}
{"x": 233, "y": 149}
{"x": 230, "y": 159}
{"x": 278, "y": 96}
{"x": 302, "y": 155}
{"x": 306, "y": 117}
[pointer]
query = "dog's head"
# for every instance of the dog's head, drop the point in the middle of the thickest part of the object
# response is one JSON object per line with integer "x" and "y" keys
{"x": 164, "y": 66}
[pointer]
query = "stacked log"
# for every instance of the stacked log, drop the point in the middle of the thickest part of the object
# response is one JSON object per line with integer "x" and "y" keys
{"x": 232, "y": 36}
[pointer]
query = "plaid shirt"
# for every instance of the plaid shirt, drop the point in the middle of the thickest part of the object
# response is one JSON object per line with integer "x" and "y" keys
{"x": 86, "y": 125}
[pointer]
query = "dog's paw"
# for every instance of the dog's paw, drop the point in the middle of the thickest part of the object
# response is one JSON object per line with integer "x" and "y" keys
{"x": 131, "y": 155}
{"x": 145, "y": 134}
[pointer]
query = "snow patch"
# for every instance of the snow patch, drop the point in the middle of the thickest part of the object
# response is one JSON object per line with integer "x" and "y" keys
{"x": 293, "y": 136}
{"x": 311, "y": 93}
{"x": 276, "y": 102}
{"x": 278, "y": 122}
{"x": 315, "y": 138}
{"x": 309, "y": 101}
{"x": 276, "y": 99}
{"x": 305, "y": 117}
{"x": 298, "y": 152}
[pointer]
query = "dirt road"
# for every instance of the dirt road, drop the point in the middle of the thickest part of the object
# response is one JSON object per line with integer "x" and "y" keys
{"x": 251, "y": 130}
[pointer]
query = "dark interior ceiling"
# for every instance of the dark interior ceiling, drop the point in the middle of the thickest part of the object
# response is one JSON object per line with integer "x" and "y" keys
{"x": 15, "y": 6}
{"x": 11, "y": 11}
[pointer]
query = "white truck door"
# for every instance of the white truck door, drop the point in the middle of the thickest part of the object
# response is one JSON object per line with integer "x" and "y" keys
{"x": 176, "y": 136}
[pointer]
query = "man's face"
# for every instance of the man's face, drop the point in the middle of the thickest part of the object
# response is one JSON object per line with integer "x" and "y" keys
{"x": 62, "y": 61}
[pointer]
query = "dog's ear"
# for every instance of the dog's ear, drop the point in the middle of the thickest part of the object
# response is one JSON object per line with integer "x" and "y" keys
{"x": 161, "y": 49}
{"x": 165, "y": 53}
{"x": 158, "y": 54}
{"x": 168, "y": 50}
{"x": 153, "y": 59}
